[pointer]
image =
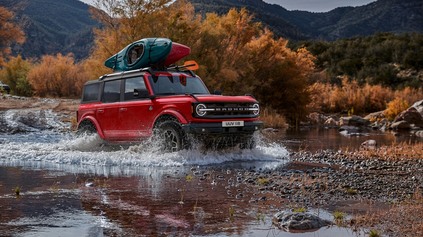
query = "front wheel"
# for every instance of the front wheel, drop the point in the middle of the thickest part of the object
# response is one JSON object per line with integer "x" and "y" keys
{"x": 171, "y": 136}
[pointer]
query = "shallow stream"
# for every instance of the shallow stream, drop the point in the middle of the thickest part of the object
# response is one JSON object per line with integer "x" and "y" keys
{"x": 71, "y": 186}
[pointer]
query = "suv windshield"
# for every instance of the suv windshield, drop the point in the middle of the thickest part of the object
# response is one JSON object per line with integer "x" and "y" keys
{"x": 177, "y": 85}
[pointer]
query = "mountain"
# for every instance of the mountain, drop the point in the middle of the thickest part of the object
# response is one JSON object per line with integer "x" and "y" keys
{"x": 63, "y": 26}
{"x": 53, "y": 26}
{"x": 396, "y": 16}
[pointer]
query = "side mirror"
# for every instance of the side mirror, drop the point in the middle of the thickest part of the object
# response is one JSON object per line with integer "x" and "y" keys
{"x": 141, "y": 93}
{"x": 217, "y": 92}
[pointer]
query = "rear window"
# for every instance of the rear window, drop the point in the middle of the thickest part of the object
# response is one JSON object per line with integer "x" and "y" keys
{"x": 111, "y": 91}
{"x": 91, "y": 92}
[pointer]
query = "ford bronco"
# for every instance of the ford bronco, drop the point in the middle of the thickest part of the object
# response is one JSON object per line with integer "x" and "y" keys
{"x": 172, "y": 104}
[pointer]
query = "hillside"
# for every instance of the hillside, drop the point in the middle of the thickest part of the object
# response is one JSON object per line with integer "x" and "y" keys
{"x": 53, "y": 26}
{"x": 396, "y": 16}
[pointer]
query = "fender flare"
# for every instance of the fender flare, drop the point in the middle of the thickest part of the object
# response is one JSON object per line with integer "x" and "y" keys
{"x": 96, "y": 124}
{"x": 171, "y": 112}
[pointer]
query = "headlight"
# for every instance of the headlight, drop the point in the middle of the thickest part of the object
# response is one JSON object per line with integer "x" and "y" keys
{"x": 256, "y": 109}
{"x": 201, "y": 109}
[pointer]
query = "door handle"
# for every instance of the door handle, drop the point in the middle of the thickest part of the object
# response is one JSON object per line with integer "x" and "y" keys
{"x": 123, "y": 109}
{"x": 100, "y": 111}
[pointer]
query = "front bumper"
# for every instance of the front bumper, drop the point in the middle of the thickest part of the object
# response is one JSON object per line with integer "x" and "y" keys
{"x": 217, "y": 128}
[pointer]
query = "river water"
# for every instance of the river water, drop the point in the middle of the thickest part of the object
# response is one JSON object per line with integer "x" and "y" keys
{"x": 74, "y": 186}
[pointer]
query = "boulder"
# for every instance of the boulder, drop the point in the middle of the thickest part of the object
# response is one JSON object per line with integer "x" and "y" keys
{"x": 410, "y": 118}
{"x": 369, "y": 144}
{"x": 354, "y": 120}
{"x": 419, "y": 107}
{"x": 376, "y": 116}
{"x": 316, "y": 118}
{"x": 419, "y": 133}
{"x": 293, "y": 221}
{"x": 400, "y": 125}
{"x": 331, "y": 122}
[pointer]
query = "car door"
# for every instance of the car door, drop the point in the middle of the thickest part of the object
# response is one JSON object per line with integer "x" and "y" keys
{"x": 136, "y": 109}
{"x": 108, "y": 111}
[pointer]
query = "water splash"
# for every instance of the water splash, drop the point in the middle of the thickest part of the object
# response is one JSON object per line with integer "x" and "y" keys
{"x": 49, "y": 148}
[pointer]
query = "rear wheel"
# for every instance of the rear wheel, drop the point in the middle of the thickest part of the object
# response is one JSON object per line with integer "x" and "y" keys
{"x": 171, "y": 136}
{"x": 86, "y": 128}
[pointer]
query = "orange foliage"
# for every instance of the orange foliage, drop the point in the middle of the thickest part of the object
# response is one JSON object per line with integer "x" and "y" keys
{"x": 9, "y": 33}
{"x": 57, "y": 76}
{"x": 361, "y": 99}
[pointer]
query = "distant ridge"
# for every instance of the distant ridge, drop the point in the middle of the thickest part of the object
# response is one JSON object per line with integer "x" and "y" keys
{"x": 396, "y": 16}
{"x": 53, "y": 26}
{"x": 64, "y": 26}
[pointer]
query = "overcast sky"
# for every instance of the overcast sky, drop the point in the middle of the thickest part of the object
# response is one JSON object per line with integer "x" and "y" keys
{"x": 318, "y": 5}
{"x": 310, "y": 5}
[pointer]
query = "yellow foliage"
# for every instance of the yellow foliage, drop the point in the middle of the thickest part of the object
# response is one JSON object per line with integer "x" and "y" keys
{"x": 395, "y": 107}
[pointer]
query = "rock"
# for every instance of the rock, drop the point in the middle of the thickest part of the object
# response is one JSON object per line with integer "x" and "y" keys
{"x": 354, "y": 120}
{"x": 290, "y": 221}
{"x": 369, "y": 144}
{"x": 411, "y": 116}
{"x": 331, "y": 122}
{"x": 400, "y": 125}
{"x": 376, "y": 116}
{"x": 351, "y": 131}
{"x": 316, "y": 118}
{"x": 419, "y": 133}
{"x": 419, "y": 107}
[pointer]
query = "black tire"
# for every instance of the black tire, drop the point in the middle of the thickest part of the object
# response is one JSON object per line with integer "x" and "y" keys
{"x": 86, "y": 128}
{"x": 171, "y": 136}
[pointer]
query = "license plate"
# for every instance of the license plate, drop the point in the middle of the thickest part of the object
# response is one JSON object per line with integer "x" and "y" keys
{"x": 232, "y": 123}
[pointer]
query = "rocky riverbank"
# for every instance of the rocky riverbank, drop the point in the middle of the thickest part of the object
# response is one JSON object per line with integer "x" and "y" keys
{"x": 361, "y": 183}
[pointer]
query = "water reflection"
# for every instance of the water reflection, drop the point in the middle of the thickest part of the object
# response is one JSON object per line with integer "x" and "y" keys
{"x": 178, "y": 201}
{"x": 314, "y": 139}
{"x": 134, "y": 192}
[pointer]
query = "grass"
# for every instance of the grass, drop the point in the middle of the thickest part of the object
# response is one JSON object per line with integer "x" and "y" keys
{"x": 263, "y": 181}
{"x": 351, "y": 191}
{"x": 17, "y": 191}
{"x": 272, "y": 119}
{"x": 374, "y": 233}
{"x": 299, "y": 209}
{"x": 401, "y": 219}
{"x": 395, "y": 152}
{"x": 339, "y": 217}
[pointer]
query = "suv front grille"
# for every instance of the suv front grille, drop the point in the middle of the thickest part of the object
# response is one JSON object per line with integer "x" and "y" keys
{"x": 227, "y": 110}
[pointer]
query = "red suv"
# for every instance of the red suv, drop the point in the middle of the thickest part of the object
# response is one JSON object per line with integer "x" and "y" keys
{"x": 172, "y": 104}
{"x": 130, "y": 106}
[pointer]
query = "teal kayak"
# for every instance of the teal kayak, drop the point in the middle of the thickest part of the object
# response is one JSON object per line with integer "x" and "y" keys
{"x": 146, "y": 53}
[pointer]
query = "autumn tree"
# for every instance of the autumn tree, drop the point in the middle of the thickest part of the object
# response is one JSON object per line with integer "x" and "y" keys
{"x": 9, "y": 33}
{"x": 235, "y": 53}
{"x": 57, "y": 76}
{"x": 14, "y": 73}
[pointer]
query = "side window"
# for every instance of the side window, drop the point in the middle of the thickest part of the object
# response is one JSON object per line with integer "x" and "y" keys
{"x": 91, "y": 92}
{"x": 131, "y": 84}
{"x": 111, "y": 91}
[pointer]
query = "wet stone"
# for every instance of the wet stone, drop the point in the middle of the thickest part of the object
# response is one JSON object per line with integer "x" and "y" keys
{"x": 292, "y": 221}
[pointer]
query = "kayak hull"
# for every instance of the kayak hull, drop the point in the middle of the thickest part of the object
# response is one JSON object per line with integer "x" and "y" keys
{"x": 147, "y": 52}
